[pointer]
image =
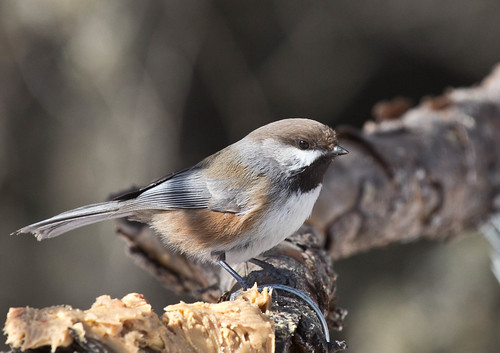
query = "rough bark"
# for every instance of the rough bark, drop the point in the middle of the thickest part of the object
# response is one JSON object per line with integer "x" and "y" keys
{"x": 300, "y": 262}
{"x": 430, "y": 173}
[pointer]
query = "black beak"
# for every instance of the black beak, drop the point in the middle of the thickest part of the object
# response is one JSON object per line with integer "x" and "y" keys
{"x": 338, "y": 151}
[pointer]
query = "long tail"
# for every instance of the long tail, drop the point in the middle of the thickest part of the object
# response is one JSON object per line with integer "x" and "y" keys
{"x": 76, "y": 218}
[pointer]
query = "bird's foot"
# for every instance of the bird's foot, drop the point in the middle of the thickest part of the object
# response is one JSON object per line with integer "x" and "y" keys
{"x": 302, "y": 296}
{"x": 243, "y": 283}
{"x": 276, "y": 287}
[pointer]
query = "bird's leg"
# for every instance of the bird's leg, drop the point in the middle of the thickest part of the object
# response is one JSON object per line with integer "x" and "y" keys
{"x": 221, "y": 259}
{"x": 266, "y": 266}
{"x": 244, "y": 284}
{"x": 306, "y": 299}
{"x": 262, "y": 264}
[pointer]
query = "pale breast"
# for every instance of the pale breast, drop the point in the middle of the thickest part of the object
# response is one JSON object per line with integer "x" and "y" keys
{"x": 279, "y": 223}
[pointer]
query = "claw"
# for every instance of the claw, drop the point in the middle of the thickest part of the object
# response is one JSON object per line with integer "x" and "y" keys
{"x": 244, "y": 284}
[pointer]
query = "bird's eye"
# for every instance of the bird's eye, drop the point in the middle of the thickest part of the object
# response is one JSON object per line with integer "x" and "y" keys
{"x": 303, "y": 145}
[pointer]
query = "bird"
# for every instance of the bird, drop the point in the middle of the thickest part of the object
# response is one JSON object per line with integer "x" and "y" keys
{"x": 233, "y": 205}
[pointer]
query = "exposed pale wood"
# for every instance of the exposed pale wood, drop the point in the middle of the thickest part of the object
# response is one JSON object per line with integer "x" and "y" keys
{"x": 431, "y": 173}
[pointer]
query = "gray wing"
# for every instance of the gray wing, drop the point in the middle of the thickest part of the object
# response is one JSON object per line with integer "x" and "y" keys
{"x": 188, "y": 189}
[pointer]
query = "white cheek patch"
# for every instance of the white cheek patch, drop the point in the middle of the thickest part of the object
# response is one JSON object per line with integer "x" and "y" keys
{"x": 289, "y": 156}
{"x": 306, "y": 157}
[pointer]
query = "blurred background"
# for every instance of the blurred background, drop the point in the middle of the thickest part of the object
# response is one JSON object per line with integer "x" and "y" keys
{"x": 97, "y": 96}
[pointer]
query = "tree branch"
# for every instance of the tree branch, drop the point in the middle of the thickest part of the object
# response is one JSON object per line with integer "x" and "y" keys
{"x": 431, "y": 173}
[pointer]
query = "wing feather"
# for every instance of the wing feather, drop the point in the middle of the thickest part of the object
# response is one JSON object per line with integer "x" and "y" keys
{"x": 187, "y": 189}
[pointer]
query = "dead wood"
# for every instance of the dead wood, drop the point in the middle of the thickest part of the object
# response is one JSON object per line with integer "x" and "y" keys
{"x": 129, "y": 325}
{"x": 430, "y": 173}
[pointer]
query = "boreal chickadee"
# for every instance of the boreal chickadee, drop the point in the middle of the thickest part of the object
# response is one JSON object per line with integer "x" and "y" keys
{"x": 234, "y": 204}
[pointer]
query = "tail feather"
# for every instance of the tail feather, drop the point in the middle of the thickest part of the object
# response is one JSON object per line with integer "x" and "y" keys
{"x": 76, "y": 218}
